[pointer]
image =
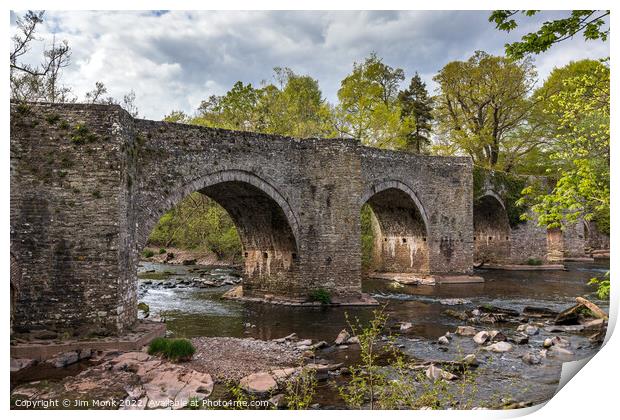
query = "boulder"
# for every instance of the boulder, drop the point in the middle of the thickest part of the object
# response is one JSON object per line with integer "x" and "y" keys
{"x": 481, "y": 337}
{"x": 495, "y": 335}
{"x": 499, "y": 347}
{"x": 470, "y": 360}
{"x": 353, "y": 340}
{"x": 465, "y": 330}
{"x": 434, "y": 373}
{"x": 456, "y": 314}
{"x": 556, "y": 342}
{"x": 594, "y": 325}
{"x": 258, "y": 383}
{"x": 443, "y": 340}
{"x": 343, "y": 336}
{"x": 306, "y": 342}
{"x": 519, "y": 338}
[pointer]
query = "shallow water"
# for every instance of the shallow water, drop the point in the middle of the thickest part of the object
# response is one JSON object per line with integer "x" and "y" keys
{"x": 191, "y": 312}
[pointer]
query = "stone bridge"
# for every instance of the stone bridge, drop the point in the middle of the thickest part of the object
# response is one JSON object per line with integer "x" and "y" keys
{"x": 89, "y": 183}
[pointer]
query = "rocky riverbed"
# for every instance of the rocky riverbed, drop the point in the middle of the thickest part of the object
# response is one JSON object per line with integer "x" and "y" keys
{"x": 514, "y": 332}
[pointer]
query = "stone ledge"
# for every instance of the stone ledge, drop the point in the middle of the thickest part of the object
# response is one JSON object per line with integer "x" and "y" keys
{"x": 524, "y": 267}
{"x": 41, "y": 350}
{"x": 236, "y": 293}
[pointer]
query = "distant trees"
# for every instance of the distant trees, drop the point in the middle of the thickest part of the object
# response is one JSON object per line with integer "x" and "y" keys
{"x": 481, "y": 103}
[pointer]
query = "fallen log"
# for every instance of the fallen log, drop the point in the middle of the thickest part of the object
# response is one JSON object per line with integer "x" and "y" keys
{"x": 596, "y": 311}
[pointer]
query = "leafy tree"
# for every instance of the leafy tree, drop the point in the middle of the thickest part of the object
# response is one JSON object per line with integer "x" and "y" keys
{"x": 482, "y": 101}
{"x": 368, "y": 107}
{"x": 582, "y": 190}
{"x": 591, "y": 23}
{"x": 177, "y": 117}
{"x": 416, "y": 105}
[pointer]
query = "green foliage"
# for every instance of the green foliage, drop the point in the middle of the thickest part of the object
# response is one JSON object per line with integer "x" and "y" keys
{"x": 199, "y": 223}
{"x": 590, "y": 22}
{"x": 82, "y": 134}
{"x": 582, "y": 190}
{"x": 417, "y": 106}
{"x": 148, "y": 253}
{"x": 300, "y": 389}
{"x": 320, "y": 295}
{"x": 96, "y": 194}
{"x": 369, "y": 109}
{"x": 604, "y": 286}
{"x": 52, "y": 119}
{"x": 162, "y": 251}
{"x": 482, "y": 103}
{"x": 176, "y": 349}
{"x": 534, "y": 261}
{"x": 144, "y": 308}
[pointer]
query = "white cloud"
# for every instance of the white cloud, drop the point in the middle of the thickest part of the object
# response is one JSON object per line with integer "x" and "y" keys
{"x": 174, "y": 60}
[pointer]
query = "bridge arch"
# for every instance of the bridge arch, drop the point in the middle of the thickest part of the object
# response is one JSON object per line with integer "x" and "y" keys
{"x": 491, "y": 229}
{"x": 267, "y": 226}
{"x": 400, "y": 228}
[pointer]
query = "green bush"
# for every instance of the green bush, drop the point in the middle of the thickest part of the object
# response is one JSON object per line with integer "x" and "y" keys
{"x": 147, "y": 253}
{"x": 162, "y": 251}
{"x": 320, "y": 295}
{"x": 534, "y": 261}
{"x": 175, "y": 349}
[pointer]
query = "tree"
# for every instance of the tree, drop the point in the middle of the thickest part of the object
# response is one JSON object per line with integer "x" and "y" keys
{"x": 482, "y": 101}
{"x": 591, "y": 23}
{"x": 582, "y": 189}
{"x": 37, "y": 83}
{"x": 417, "y": 106}
{"x": 368, "y": 107}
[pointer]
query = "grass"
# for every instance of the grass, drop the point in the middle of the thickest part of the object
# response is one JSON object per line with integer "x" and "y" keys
{"x": 157, "y": 275}
{"x": 174, "y": 349}
{"x": 320, "y": 295}
{"x": 148, "y": 253}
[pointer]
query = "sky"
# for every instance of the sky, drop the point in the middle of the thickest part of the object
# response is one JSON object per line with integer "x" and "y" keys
{"x": 173, "y": 60}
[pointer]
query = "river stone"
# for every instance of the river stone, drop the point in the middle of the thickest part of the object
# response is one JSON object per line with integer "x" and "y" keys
{"x": 465, "y": 330}
{"x": 454, "y": 301}
{"x": 19, "y": 364}
{"x": 470, "y": 359}
{"x": 481, "y": 337}
{"x": 519, "y": 338}
{"x": 443, "y": 341}
{"x": 353, "y": 340}
{"x": 560, "y": 351}
{"x": 532, "y": 358}
{"x": 306, "y": 342}
{"x": 495, "y": 335}
{"x": 434, "y": 373}
{"x": 343, "y": 336}
{"x": 258, "y": 383}
{"x": 64, "y": 359}
{"x": 556, "y": 342}
{"x": 404, "y": 326}
{"x": 531, "y": 330}
{"x": 499, "y": 347}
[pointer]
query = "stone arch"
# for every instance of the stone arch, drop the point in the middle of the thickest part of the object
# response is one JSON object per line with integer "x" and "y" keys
{"x": 491, "y": 229}
{"x": 400, "y": 228}
{"x": 267, "y": 226}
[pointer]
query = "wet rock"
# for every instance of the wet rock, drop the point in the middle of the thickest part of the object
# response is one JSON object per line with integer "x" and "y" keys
{"x": 481, "y": 337}
{"x": 306, "y": 342}
{"x": 594, "y": 309}
{"x": 289, "y": 337}
{"x": 538, "y": 312}
{"x": 470, "y": 360}
{"x": 496, "y": 310}
{"x": 565, "y": 328}
{"x": 353, "y": 340}
{"x": 343, "y": 336}
{"x": 569, "y": 316}
{"x": 593, "y": 325}
{"x": 167, "y": 382}
{"x": 434, "y": 373}
{"x": 476, "y": 312}
{"x": 191, "y": 261}
{"x": 456, "y": 314}
{"x": 19, "y": 364}
{"x": 64, "y": 359}
{"x": 465, "y": 330}
{"x": 495, "y": 335}
{"x": 559, "y": 351}
{"x": 455, "y": 301}
{"x": 556, "y": 342}
{"x": 258, "y": 383}
{"x": 404, "y": 326}
{"x": 532, "y": 358}
{"x": 281, "y": 375}
{"x": 528, "y": 329}
{"x": 45, "y": 335}
{"x": 443, "y": 340}
{"x": 499, "y": 347}
{"x": 519, "y": 338}
{"x": 318, "y": 345}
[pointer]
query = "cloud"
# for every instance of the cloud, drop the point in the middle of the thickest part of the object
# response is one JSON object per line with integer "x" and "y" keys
{"x": 173, "y": 60}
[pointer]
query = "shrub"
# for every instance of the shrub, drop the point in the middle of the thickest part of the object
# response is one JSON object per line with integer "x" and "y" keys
{"x": 320, "y": 295}
{"x": 162, "y": 251}
{"x": 534, "y": 261}
{"x": 147, "y": 253}
{"x": 176, "y": 349}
